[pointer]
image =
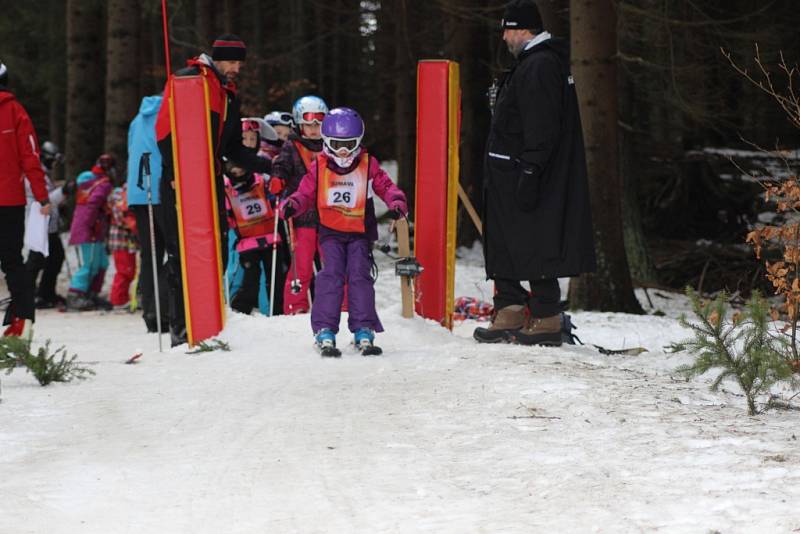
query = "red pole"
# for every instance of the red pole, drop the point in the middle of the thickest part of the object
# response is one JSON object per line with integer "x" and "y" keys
{"x": 166, "y": 35}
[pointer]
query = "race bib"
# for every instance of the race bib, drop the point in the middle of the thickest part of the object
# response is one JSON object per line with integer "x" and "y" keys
{"x": 253, "y": 208}
{"x": 344, "y": 197}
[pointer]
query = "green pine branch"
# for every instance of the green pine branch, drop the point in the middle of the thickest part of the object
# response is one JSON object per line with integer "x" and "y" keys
{"x": 742, "y": 346}
{"x": 211, "y": 346}
{"x": 46, "y": 366}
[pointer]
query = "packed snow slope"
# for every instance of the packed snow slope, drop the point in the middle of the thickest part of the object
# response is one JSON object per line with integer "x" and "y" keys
{"x": 438, "y": 435}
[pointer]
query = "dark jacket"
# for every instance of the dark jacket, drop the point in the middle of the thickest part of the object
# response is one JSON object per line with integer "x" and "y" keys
{"x": 536, "y": 213}
{"x": 290, "y": 168}
{"x": 226, "y": 136}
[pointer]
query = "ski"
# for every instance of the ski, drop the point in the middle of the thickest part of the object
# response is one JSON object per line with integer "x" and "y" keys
{"x": 329, "y": 352}
{"x": 134, "y": 358}
{"x": 370, "y": 350}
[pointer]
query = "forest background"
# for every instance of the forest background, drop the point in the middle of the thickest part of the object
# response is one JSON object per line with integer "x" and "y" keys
{"x": 662, "y": 107}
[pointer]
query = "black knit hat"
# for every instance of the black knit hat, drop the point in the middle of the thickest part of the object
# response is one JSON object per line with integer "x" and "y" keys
{"x": 522, "y": 15}
{"x": 228, "y": 47}
{"x": 3, "y": 74}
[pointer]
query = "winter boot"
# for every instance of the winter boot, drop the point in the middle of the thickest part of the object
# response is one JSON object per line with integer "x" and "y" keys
{"x": 152, "y": 325}
{"x": 100, "y": 303}
{"x": 325, "y": 341}
{"x": 505, "y": 321}
{"x": 539, "y": 331}
{"x": 364, "y": 339}
{"x": 79, "y": 301}
{"x": 45, "y": 303}
{"x": 177, "y": 336}
{"x": 19, "y": 327}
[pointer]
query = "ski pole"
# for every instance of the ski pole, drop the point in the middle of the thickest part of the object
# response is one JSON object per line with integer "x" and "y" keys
{"x": 144, "y": 169}
{"x": 274, "y": 262}
{"x": 295, "y": 284}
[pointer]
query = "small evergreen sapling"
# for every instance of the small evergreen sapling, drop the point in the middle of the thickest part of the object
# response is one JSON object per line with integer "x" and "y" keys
{"x": 741, "y": 345}
{"x": 45, "y": 366}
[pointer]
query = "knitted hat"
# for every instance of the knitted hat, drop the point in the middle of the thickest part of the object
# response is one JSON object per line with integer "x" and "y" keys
{"x": 3, "y": 74}
{"x": 228, "y": 47}
{"x": 522, "y": 15}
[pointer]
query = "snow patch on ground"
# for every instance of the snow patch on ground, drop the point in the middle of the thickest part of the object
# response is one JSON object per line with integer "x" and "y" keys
{"x": 440, "y": 434}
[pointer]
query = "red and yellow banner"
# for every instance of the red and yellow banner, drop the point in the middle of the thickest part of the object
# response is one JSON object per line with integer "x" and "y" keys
{"x": 436, "y": 202}
{"x": 198, "y": 218}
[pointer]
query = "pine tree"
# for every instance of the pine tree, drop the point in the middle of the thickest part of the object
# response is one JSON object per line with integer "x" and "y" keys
{"x": 743, "y": 346}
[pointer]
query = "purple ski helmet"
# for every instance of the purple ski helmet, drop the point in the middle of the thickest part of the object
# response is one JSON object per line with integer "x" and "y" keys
{"x": 342, "y": 129}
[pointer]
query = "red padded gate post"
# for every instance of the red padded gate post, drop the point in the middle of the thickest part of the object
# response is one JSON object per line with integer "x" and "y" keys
{"x": 198, "y": 224}
{"x": 438, "y": 101}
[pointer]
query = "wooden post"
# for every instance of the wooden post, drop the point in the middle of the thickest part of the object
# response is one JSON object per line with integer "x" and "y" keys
{"x": 476, "y": 220}
{"x": 406, "y": 282}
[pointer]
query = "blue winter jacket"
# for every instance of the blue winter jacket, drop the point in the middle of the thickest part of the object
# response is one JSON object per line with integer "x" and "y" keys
{"x": 142, "y": 138}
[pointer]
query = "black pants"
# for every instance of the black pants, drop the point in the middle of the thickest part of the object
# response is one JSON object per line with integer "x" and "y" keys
{"x": 168, "y": 220}
{"x": 146, "y": 284}
{"x": 49, "y": 267}
{"x": 12, "y": 234}
{"x": 252, "y": 261}
{"x": 543, "y": 300}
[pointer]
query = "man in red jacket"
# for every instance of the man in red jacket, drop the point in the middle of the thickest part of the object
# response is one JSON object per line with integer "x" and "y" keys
{"x": 19, "y": 159}
{"x": 220, "y": 70}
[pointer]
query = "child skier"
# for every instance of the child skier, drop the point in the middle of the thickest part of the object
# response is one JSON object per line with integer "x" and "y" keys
{"x": 282, "y": 123}
{"x": 123, "y": 245}
{"x": 293, "y": 162}
{"x": 340, "y": 184}
{"x": 252, "y": 219}
{"x": 88, "y": 230}
{"x": 50, "y": 266}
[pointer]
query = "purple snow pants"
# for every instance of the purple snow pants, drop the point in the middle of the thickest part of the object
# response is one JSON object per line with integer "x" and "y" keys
{"x": 345, "y": 257}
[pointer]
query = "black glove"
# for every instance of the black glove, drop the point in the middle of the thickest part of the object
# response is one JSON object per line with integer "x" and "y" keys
{"x": 288, "y": 210}
{"x": 245, "y": 183}
{"x": 69, "y": 187}
{"x": 528, "y": 187}
{"x": 396, "y": 213}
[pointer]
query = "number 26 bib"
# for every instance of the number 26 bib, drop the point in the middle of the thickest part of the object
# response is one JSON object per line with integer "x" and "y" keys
{"x": 342, "y": 198}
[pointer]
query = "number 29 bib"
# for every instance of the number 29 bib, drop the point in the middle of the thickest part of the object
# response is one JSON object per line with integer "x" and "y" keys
{"x": 252, "y": 211}
{"x": 342, "y": 198}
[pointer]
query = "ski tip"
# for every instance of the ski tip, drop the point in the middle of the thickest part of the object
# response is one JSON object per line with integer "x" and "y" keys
{"x": 372, "y": 351}
{"x": 330, "y": 352}
{"x": 134, "y": 358}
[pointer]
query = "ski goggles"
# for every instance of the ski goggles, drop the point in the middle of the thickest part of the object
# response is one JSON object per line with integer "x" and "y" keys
{"x": 338, "y": 145}
{"x": 284, "y": 119}
{"x": 310, "y": 117}
{"x": 250, "y": 125}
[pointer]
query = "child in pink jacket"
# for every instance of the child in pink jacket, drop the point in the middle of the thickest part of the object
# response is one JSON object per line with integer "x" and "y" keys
{"x": 339, "y": 185}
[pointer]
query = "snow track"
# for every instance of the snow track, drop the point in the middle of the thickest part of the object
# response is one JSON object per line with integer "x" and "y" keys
{"x": 438, "y": 435}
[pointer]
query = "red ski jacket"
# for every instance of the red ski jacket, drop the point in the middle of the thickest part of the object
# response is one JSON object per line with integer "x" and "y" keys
{"x": 19, "y": 154}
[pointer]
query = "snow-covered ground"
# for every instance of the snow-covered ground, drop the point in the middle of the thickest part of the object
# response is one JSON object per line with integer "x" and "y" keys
{"x": 438, "y": 435}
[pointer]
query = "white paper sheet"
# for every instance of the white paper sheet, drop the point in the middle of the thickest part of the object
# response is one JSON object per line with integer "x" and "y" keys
{"x": 36, "y": 229}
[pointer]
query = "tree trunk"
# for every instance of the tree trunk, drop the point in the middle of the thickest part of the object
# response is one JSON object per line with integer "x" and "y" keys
{"x": 204, "y": 22}
{"x": 56, "y": 78}
{"x": 122, "y": 76}
{"x": 555, "y": 16}
{"x": 404, "y": 100}
{"x": 594, "y": 49}
{"x": 85, "y": 85}
{"x": 473, "y": 59}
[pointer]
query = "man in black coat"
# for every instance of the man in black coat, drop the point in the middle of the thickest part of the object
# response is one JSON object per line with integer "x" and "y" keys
{"x": 536, "y": 214}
